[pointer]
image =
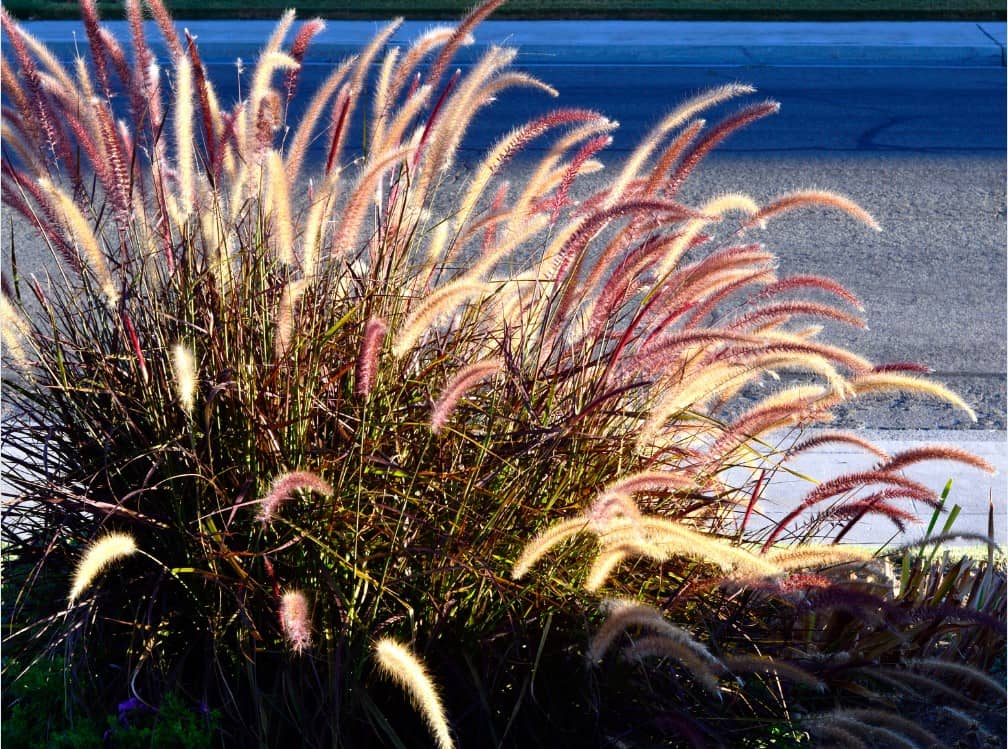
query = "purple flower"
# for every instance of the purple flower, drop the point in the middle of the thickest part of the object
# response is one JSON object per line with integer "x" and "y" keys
{"x": 133, "y": 704}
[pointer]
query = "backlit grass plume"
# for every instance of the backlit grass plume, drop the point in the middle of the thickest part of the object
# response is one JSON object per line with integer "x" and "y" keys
{"x": 97, "y": 557}
{"x": 284, "y": 486}
{"x": 406, "y": 670}
{"x": 297, "y": 339}
{"x": 294, "y": 620}
{"x": 184, "y": 366}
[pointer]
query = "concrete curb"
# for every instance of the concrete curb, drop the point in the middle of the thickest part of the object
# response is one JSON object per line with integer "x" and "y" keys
{"x": 971, "y": 489}
{"x": 730, "y": 43}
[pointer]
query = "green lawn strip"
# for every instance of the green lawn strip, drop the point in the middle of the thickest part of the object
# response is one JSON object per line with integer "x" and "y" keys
{"x": 763, "y": 10}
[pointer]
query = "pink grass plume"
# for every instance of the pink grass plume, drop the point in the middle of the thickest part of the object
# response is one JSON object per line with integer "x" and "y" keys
{"x": 285, "y": 485}
{"x": 367, "y": 359}
{"x": 466, "y": 378}
{"x": 294, "y": 620}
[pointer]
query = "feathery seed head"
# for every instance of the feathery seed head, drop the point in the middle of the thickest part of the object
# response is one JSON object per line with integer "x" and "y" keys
{"x": 536, "y": 548}
{"x": 463, "y": 381}
{"x": 611, "y": 507}
{"x": 367, "y": 358}
{"x": 279, "y": 203}
{"x": 285, "y": 316}
{"x": 184, "y": 112}
{"x": 294, "y": 620}
{"x": 872, "y": 382}
{"x": 823, "y": 198}
{"x": 441, "y": 302}
{"x": 13, "y": 327}
{"x": 285, "y": 485}
{"x": 605, "y": 562}
{"x": 98, "y": 555}
{"x": 184, "y": 369}
{"x": 661, "y": 646}
{"x": 806, "y": 557}
{"x": 936, "y": 452}
{"x": 79, "y": 231}
{"x": 406, "y": 670}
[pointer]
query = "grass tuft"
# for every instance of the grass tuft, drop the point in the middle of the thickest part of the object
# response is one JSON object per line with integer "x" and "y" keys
{"x": 369, "y": 396}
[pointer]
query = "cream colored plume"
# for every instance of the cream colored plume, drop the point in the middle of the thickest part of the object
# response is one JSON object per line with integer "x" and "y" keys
{"x": 97, "y": 557}
{"x": 269, "y": 62}
{"x": 681, "y": 114}
{"x": 14, "y": 327}
{"x": 184, "y": 112}
{"x": 624, "y": 614}
{"x": 279, "y": 207}
{"x": 874, "y": 382}
{"x": 713, "y": 210}
{"x": 623, "y": 533}
{"x": 184, "y": 370}
{"x": 79, "y": 231}
{"x": 406, "y": 670}
{"x": 284, "y": 328}
{"x": 441, "y": 302}
{"x": 546, "y": 540}
{"x": 806, "y": 557}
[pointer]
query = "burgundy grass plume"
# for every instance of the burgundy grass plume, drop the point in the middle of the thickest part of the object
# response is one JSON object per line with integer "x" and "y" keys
{"x": 589, "y": 149}
{"x": 367, "y": 357}
{"x": 692, "y": 157}
{"x": 856, "y": 509}
{"x": 803, "y": 281}
{"x": 459, "y": 37}
{"x": 936, "y": 452}
{"x": 299, "y": 47}
{"x": 167, "y": 27}
{"x": 789, "y": 308}
{"x": 901, "y": 486}
{"x": 99, "y": 51}
{"x": 340, "y": 109}
{"x": 834, "y": 438}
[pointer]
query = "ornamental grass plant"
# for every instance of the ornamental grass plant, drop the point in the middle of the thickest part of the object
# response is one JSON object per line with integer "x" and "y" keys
{"x": 289, "y": 440}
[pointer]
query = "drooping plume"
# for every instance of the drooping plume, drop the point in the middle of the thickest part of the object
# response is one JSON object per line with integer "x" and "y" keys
{"x": 79, "y": 230}
{"x": 99, "y": 555}
{"x": 406, "y": 670}
{"x": 465, "y": 379}
{"x": 285, "y": 485}
{"x": 441, "y": 302}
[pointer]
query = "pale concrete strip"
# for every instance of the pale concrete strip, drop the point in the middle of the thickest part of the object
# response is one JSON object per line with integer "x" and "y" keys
{"x": 972, "y": 489}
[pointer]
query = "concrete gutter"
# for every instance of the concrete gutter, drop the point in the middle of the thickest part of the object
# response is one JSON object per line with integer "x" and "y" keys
{"x": 972, "y": 489}
{"x": 867, "y": 43}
